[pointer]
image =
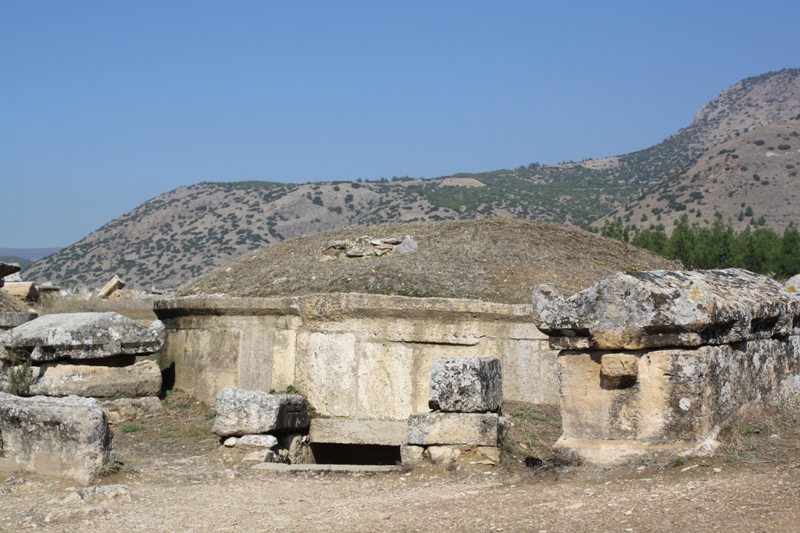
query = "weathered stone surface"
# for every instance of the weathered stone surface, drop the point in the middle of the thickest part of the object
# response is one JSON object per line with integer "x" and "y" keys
{"x": 636, "y": 310}
{"x": 259, "y": 441}
{"x": 678, "y": 399}
{"x": 130, "y": 409}
{"x": 23, "y": 290}
{"x": 793, "y": 284}
{"x": 248, "y": 412}
{"x": 348, "y": 431}
{"x": 367, "y": 246}
{"x": 442, "y": 454}
{"x": 66, "y": 437}
{"x": 453, "y": 428}
{"x": 10, "y": 319}
{"x": 112, "y": 286}
{"x": 466, "y": 385}
{"x": 86, "y": 336}
{"x": 59, "y": 379}
{"x": 300, "y": 452}
{"x": 412, "y": 455}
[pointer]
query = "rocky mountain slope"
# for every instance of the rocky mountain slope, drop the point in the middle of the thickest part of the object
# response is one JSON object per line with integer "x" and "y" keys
{"x": 183, "y": 233}
{"x": 751, "y": 180}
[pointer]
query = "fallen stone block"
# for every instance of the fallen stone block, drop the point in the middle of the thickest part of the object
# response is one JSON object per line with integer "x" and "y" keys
{"x": 86, "y": 336}
{"x": 466, "y": 385}
{"x": 250, "y": 412}
{"x": 299, "y": 449}
{"x": 130, "y": 409}
{"x": 411, "y": 455}
{"x": 59, "y": 379}
{"x": 662, "y": 308}
{"x": 442, "y": 454}
{"x": 6, "y": 269}
{"x": 22, "y": 290}
{"x": 474, "y": 429}
{"x": 114, "y": 285}
{"x": 64, "y": 437}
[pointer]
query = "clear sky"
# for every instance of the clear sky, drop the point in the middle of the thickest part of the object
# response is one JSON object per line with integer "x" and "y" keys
{"x": 104, "y": 105}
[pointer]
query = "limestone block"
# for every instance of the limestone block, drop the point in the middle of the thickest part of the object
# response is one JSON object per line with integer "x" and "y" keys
{"x": 130, "y": 409}
{"x": 11, "y": 319}
{"x": 114, "y": 285}
{"x": 411, "y": 455}
{"x": 248, "y": 412}
{"x": 6, "y": 269}
{"x": 530, "y": 371}
{"x": 637, "y": 310}
{"x": 442, "y": 454}
{"x": 475, "y": 429}
{"x": 385, "y": 381}
{"x": 258, "y": 441}
{"x": 327, "y": 372}
{"x": 65, "y": 437}
{"x": 86, "y": 336}
{"x": 210, "y": 362}
{"x": 681, "y": 397}
{"x": 137, "y": 380}
{"x": 466, "y": 385}
{"x": 22, "y": 290}
{"x": 619, "y": 369}
{"x": 348, "y": 431}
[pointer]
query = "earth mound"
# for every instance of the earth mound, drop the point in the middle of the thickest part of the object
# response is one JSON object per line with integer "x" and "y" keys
{"x": 488, "y": 259}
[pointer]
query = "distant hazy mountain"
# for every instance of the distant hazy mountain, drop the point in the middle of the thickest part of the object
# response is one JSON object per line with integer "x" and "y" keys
{"x": 183, "y": 233}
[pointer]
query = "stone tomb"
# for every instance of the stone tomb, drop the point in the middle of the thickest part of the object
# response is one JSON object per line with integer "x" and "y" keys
{"x": 362, "y": 361}
{"x": 658, "y": 362}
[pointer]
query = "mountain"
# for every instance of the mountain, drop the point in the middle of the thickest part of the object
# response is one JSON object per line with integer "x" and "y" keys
{"x": 751, "y": 180}
{"x": 179, "y": 235}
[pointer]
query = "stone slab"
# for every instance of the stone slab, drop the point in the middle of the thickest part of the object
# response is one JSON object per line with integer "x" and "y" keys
{"x": 475, "y": 429}
{"x": 466, "y": 385}
{"x": 347, "y": 431}
{"x": 86, "y": 336}
{"x": 138, "y": 380}
{"x": 661, "y": 308}
{"x": 130, "y": 409}
{"x": 248, "y": 412}
{"x": 64, "y": 437}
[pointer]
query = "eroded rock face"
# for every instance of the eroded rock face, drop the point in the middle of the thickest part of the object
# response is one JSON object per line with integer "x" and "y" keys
{"x": 475, "y": 429}
{"x": 250, "y": 412}
{"x": 138, "y": 380}
{"x": 636, "y": 310}
{"x": 86, "y": 336}
{"x": 64, "y": 437}
{"x": 466, "y": 385}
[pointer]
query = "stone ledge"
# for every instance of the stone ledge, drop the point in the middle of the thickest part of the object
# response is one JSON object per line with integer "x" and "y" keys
{"x": 282, "y": 467}
{"x": 345, "y": 431}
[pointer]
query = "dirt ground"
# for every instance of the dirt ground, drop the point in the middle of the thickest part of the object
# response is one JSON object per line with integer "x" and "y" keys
{"x": 181, "y": 479}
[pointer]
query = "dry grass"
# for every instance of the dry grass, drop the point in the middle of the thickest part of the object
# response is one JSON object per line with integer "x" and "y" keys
{"x": 531, "y": 437}
{"x": 10, "y": 304}
{"x": 490, "y": 259}
{"x": 768, "y": 432}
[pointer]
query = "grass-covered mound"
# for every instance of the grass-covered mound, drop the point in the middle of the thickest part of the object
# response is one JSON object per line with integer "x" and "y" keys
{"x": 491, "y": 259}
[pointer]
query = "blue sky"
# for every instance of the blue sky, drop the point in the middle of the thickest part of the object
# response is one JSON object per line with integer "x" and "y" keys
{"x": 104, "y": 105}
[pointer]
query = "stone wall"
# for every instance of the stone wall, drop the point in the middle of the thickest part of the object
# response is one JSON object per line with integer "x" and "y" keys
{"x": 354, "y": 356}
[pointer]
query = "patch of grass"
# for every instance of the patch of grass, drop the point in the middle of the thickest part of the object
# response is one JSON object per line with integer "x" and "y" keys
{"x": 132, "y": 428}
{"x": 534, "y": 431}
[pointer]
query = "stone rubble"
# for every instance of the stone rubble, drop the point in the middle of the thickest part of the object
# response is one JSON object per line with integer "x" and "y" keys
{"x": 368, "y": 246}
